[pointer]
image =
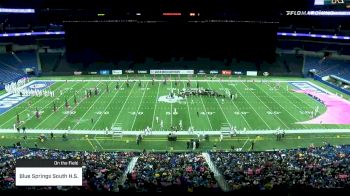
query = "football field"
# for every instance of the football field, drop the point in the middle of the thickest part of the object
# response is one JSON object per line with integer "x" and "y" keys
{"x": 258, "y": 105}
{"x": 258, "y": 109}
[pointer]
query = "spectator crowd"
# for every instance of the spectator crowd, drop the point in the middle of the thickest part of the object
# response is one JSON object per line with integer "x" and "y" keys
{"x": 321, "y": 167}
{"x": 314, "y": 167}
{"x": 164, "y": 172}
{"x": 101, "y": 170}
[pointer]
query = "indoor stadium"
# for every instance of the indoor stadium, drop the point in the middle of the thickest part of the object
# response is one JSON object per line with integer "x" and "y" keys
{"x": 174, "y": 96}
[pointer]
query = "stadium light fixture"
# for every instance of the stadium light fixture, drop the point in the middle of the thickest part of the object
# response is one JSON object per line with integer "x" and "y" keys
{"x": 18, "y": 11}
{"x": 322, "y": 36}
{"x": 31, "y": 34}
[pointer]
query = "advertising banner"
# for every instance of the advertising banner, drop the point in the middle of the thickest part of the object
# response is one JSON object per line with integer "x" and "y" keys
{"x": 214, "y": 72}
{"x": 201, "y": 72}
{"x": 129, "y": 71}
{"x": 117, "y": 72}
{"x": 226, "y": 72}
{"x": 77, "y": 73}
{"x": 252, "y": 73}
{"x": 104, "y": 72}
{"x": 175, "y": 72}
{"x": 142, "y": 72}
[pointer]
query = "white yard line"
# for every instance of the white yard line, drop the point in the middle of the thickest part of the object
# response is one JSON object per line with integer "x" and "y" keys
{"x": 292, "y": 93}
{"x": 211, "y": 127}
{"x": 82, "y": 117}
{"x": 124, "y": 104}
{"x": 279, "y": 103}
{"x": 266, "y": 106}
{"x": 309, "y": 106}
{"x": 115, "y": 94}
{"x": 155, "y": 106}
{"x": 138, "y": 109}
{"x": 305, "y": 102}
{"x": 188, "y": 109}
{"x": 28, "y": 108}
{"x": 171, "y": 106}
{"x": 221, "y": 109}
{"x": 252, "y": 107}
{"x": 57, "y": 109}
{"x": 68, "y": 114}
{"x": 237, "y": 109}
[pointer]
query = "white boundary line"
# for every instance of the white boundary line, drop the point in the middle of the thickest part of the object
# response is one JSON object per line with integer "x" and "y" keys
{"x": 184, "y": 80}
{"x": 93, "y": 147}
{"x": 96, "y": 140}
{"x": 216, "y": 132}
{"x": 245, "y": 143}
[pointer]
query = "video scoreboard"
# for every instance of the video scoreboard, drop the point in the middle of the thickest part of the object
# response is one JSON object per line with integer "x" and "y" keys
{"x": 341, "y": 3}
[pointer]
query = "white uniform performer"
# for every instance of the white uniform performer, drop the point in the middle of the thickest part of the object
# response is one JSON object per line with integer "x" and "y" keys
{"x": 157, "y": 119}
